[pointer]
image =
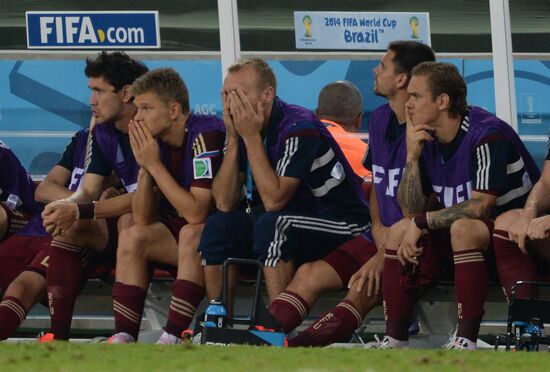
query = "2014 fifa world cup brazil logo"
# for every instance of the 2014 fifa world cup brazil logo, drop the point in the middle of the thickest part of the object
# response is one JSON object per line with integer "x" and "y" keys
{"x": 307, "y": 25}
{"x": 413, "y": 22}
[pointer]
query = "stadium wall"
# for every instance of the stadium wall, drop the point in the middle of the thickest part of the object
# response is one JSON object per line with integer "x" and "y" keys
{"x": 44, "y": 96}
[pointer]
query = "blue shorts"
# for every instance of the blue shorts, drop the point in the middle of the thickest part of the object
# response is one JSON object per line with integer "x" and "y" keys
{"x": 273, "y": 236}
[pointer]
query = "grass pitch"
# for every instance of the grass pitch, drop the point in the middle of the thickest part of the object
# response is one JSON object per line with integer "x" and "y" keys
{"x": 63, "y": 356}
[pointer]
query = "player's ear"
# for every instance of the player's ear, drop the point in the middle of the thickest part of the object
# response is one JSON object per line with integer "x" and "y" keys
{"x": 443, "y": 101}
{"x": 268, "y": 95}
{"x": 126, "y": 95}
{"x": 402, "y": 80}
{"x": 175, "y": 110}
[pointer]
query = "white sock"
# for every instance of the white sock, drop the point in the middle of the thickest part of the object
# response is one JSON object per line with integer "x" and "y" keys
{"x": 395, "y": 343}
{"x": 168, "y": 338}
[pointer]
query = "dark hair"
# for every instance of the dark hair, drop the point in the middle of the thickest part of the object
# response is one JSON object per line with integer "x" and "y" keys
{"x": 444, "y": 78}
{"x": 166, "y": 83}
{"x": 409, "y": 54}
{"x": 117, "y": 68}
{"x": 266, "y": 76}
{"x": 340, "y": 101}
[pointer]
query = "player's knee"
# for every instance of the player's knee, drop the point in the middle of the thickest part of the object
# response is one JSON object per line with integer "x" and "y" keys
{"x": 396, "y": 232}
{"x": 125, "y": 221}
{"x": 506, "y": 219}
{"x": 190, "y": 234}
{"x": 189, "y": 237}
{"x": 74, "y": 234}
{"x": 132, "y": 243}
{"x": 466, "y": 235}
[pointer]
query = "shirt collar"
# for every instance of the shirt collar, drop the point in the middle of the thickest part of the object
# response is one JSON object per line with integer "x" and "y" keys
{"x": 274, "y": 119}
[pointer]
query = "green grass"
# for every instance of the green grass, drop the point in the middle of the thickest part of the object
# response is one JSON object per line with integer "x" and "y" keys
{"x": 63, "y": 356}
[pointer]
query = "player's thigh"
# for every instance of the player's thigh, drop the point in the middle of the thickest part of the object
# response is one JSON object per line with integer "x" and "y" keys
{"x": 16, "y": 253}
{"x": 506, "y": 219}
{"x": 316, "y": 276}
{"x": 29, "y": 287}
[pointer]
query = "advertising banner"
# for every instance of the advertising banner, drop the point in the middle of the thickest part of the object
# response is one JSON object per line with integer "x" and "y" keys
{"x": 358, "y": 30}
{"x": 93, "y": 30}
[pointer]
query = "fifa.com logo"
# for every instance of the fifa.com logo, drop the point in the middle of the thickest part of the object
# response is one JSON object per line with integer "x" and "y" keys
{"x": 81, "y": 29}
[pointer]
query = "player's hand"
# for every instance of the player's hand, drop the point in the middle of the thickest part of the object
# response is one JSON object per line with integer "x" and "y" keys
{"x": 248, "y": 120}
{"x": 230, "y": 130}
{"x": 539, "y": 228}
{"x": 417, "y": 134}
{"x": 59, "y": 217}
{"x": 111, "y": 192}
{"x": 370, "y": 273}
{"x": 408, "y": 250}
{"x": 517, "y": 232}
{"x": 144, "y": 146}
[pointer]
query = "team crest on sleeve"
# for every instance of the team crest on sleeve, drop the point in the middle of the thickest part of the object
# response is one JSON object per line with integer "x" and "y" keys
{"x": 202, "y": 168}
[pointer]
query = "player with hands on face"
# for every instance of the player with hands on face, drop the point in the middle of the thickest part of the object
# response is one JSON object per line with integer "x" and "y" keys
{"x": 301, "y": 198}
{"x": 179, "y": 153}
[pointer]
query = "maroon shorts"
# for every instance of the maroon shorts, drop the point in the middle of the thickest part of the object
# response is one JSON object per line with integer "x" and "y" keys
{"x": 23, "y": 253}
{"x": 174, "y": 224}
{"x": 347, "y": 259}
{"x": 112, "y": 243}
{"x": 16, "y": 220}
{"x": 436, "y": 262}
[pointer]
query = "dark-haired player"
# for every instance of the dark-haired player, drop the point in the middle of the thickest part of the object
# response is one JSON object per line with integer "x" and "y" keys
{"x": 358, "y": 264}
{"x": 477, "y": 168}
{"x": 79, "y": 222}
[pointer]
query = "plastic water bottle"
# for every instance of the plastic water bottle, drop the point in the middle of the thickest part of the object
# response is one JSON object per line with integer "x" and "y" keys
{"x": 215, "y": 314}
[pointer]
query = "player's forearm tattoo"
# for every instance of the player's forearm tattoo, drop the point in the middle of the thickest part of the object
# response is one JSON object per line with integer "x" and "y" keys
{"x": 409, "y": 193}
{"x": 473, "y": 208}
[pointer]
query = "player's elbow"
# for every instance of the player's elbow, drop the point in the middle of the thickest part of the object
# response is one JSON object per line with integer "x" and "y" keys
{"x": 225, "y": 204}
{"x": 196, "y": 218}
{"x": 274, "y": 205}
{"x": 407, "y": 213}
{"x": 40, "y": 192}
{"x": 143, "y": 220}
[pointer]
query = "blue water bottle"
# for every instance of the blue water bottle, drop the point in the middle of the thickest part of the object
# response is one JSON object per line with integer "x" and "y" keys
{"x": 532, "y": 334}
{"x": 215, "y": 314}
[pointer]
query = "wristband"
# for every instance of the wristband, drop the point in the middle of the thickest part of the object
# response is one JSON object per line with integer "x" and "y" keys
{"x": 85, "y": 211}
{"x": 421, "y": 221}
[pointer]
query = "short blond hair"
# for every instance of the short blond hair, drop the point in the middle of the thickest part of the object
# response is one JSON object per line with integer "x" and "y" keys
{"x": 266, "y": 76}
{"x": 166, "y": 83}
